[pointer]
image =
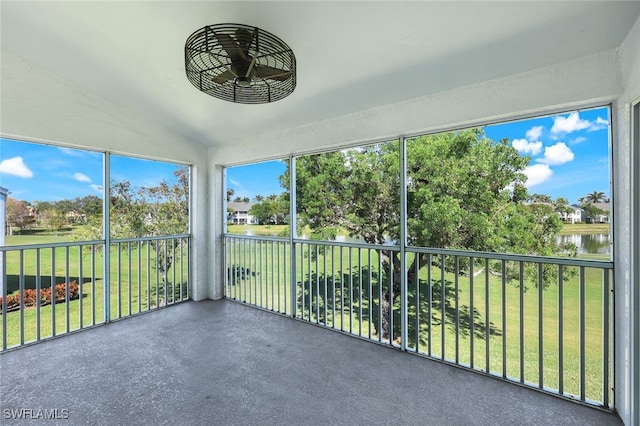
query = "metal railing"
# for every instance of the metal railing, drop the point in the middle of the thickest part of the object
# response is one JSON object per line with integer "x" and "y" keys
{"x": 541, "y": 322}
{"x": 57, "y": 288}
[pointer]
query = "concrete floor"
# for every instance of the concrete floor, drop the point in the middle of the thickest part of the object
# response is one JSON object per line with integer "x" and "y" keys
{"x": 224, "y": 363}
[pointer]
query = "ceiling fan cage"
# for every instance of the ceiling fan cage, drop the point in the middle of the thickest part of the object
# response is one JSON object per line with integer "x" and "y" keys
{"x": 240, "y": 63}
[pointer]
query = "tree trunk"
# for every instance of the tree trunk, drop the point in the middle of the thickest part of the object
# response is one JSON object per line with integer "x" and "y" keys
{"x": 389, "y": 299}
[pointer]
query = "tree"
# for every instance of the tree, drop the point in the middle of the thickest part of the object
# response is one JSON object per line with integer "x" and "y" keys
{"x": 540, "y": 198}
{"x": 230, "y": 193}
{"x": 592, "y": 212}
{"x": 18, "y": 214}
{"x": 594, "y": 197}
{"x": 149, "y": 211}
{"x": 272, "y": 209}
{"x": 464, "y": 192}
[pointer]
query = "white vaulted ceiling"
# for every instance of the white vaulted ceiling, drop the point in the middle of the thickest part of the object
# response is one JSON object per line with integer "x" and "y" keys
{"x": 351, "y": 56}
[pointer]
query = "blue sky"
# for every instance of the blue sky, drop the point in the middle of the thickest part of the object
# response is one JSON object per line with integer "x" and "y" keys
{"x": 569, "y": 157}
{"x": 36, "y": 172}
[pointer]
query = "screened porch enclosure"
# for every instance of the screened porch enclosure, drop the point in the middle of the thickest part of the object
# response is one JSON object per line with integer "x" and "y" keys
{"x": 299, "y": 327}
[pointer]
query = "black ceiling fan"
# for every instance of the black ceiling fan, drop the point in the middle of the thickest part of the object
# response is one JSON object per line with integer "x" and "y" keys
{"x": 240, "y": 63}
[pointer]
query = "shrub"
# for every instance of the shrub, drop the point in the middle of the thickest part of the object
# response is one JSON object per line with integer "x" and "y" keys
{"x": 30, "y": 296}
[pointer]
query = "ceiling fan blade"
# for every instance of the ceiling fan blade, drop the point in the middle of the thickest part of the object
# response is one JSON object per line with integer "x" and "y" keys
{"x": 245, "y": 38}
{"x": 264, "y": 71}
{"x": 224, "y": 77}
{"x": 233, "y": 49}
{"x": 251, "y": 65}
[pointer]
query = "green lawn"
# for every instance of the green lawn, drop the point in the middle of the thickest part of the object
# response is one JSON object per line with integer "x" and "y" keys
{"x": 585, "y": 228}
{"x": 135, "y": 286}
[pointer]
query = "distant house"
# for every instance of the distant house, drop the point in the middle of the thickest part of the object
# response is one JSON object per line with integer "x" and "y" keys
{"x": 575, "y": 215}
{"x": 239, "y": 213}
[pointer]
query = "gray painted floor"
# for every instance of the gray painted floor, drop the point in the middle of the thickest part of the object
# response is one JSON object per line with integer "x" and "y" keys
{"x": 227, "y": 364}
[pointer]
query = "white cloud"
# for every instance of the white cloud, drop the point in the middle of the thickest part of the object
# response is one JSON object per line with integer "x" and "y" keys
{"x": 81, "y": 177}
{"x": 599, "y": 124}
{"x": 98, "y": 188}
{"x": 557, "y": 154}
{"x": 577, "y": 140}
{"x": 525, "y": 147}
{"x": 534, "y": 133}
{"x": 569, "y": 124}
{"x": 537, "y": 174}
{"x": 15, "y": 166}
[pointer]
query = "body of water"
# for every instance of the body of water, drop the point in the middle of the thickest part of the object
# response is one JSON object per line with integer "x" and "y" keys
{"x": 588, "y": 243}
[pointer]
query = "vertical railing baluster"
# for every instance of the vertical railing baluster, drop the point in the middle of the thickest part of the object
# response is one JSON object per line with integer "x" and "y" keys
{"x": 93, "y": 284}
{"x": 443, "y": 304}
{"x": 53, "y": 291}
{"x": 119, "y": 278}
{"x": 391, "y": 298}
{"x": 380, "y": 285}
{"x": 521, "y": 311}
{"x": 582, "y": 332}
{"x": 317, "y": 284}
{"x": 333, "y": 287}
{"x": 605, "y": 339}
{"x": 38, "y": 298}
{"x": 326, "y": 283}
{"x": 487, "y": 316}
{"x": 540, "y": 327}
{"x": 303, "y": 286}
{"x": 456, "y": 290}
{"x": 80, "y": 286}
{"x": 278, "y": 262}
{"x": 341, "y": 291}
{"x": 504, "y": 317}
{"x": 560, "y": 330}
{"x": 174, "y": 269}
{"x": 148, "y": 252}
{"x": 139, "y": 252}
{"x": 370, "y": 290}
{"x": 273, "y": 280}
{"x": 471, "y": 311}
{"x": 129, "y": 277}
{"x": 21, "y": 296}
{"x": 417, "y": 298}
{"x": 67, "y": 297}
{"x": 157, "y": 246}
{"x": 350, "y": 291}
{"x": 359, "y": 291}
{"x": 4, "y": 300}
{"x": 430, "y": 302}
{"x": 259, "y": 263}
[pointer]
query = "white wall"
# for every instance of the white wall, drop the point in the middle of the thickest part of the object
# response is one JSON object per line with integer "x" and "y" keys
{"x": 37, "y": 106}
{"x": 626, "y": 354}
{"x": 586, "y": 81}
{"x": 3, "y": 227}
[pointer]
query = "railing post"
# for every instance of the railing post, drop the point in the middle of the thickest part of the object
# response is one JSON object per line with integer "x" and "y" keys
{"x": 292, "y": 234}
{"x": 404, "y": 308}
{"x": 106, "y": 231}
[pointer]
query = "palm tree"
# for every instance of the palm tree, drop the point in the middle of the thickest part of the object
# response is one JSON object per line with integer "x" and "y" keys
{"x": 595, "y": 197}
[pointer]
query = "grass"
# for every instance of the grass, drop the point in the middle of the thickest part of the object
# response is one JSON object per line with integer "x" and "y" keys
{"x": 585, "y": 228}
{"x": 135, "y": 286}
